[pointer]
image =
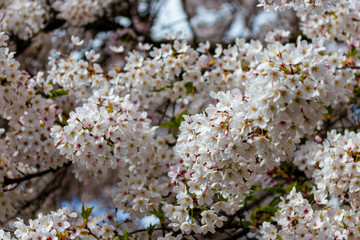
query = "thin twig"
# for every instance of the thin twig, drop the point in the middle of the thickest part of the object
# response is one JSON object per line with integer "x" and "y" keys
{"x": 164, "y": 113}
{"x": 143, "y": 230}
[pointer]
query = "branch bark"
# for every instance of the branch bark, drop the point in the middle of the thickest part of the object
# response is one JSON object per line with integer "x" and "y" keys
{"x": 188, "y": 18}
{"x": 9, "y": 181}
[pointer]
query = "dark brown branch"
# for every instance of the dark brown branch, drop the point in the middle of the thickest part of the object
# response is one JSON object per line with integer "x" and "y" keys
{"x": 188, "y": 18}
{"x": 102, "y": 25}
{"x": 237, "y": 235}
{"x": 143, "y": 230}
{"x": 52, "y": 24}
{"x": 164, "y": 112}
{"x": 351, "y": 67}
{"x": 231, "y": 21}
{"x": 50, "y": 187}
{"x": 330, "y": 123}
{"x": 250, "y": 13}
{"x": 133, "y": 14}
{"x": 22, "y": 45}
{"x": 9, "y": 181}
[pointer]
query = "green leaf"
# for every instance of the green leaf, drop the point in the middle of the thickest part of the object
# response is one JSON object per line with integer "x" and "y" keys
{"x": 268, "y": 209}
{"x": 311, "y": 198}
{"x": 175, "y": 136}
{"x": 125, "y": 235}
{"x": 256, "y": 214}
{"x": 189, "y": 87}
{"x": 330, "y": 109}
{"x": 150, "y": 229}
{"x": 245, "y": 224}
{"x": 58, "y": 93}
{"x": 180, "y": 118}
{"x": 275, "y": 201}
{"x": 271, "y": 220}
{"x": 86, "y": 212}
{"x": 83, "y": 211}
{"x": 278, "y": 189}
{"x": 255, "y": 188}
{"x": 353, "y": 52}
{"x": 302, "y": 187}
{"x": 250, "y": 198}
{"x": 159, "y": 90}
{"x": 170, "y": 125}
{"x": 291, "y": 186}
{"x": 175, "y": 122}
{"x": 159, "y": 213}
{"x": 253, "y": 215}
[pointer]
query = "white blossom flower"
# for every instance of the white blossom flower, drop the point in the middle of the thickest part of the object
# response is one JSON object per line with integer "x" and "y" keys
{"x": 76, "y": 41}
{"x": 119, "y": 49}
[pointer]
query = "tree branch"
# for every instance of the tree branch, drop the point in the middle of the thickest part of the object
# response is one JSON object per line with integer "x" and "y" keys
{"x": 351, "y": 67}
{"x": 50, "y": 187}
{"x": 9, "y": 181}
{"x": 231, "y": 21}
{"x": 188, "y": 18}
{"x": 143, "y": 230}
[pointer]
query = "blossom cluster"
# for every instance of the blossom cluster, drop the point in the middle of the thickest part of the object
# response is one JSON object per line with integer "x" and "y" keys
{"x": 277, "y": 35}
{"x": 160, "y": 76}
{"x": 125, "y": 121}
{"x": 29, "y": 141}
{"x": 79, "y": 77}
{"x": 31, "y": 116}
{"x": 336, "y": 23}
{"x": 181, "y": 74}
{"x": 298, "y": 219}
{"x": 14, "y": 83}
{"x": 45, "y": 226}
{"x": 138, "y": 195}
{"x": 334, "y": 165}
{"x": 313, "y": 6}
{"x": 23, "y": 18}
{"x": 81, "y": 12}
{"x": 63, "y": 224}
{"x": 308, "y": 156}
{"x": 245, "y": 132}
{"x": 103, "y": 132}
{"x": 27, "y": 146}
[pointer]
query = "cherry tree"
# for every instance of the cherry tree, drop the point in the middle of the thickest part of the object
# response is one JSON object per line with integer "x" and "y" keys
{"x": 254, "y": 138}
